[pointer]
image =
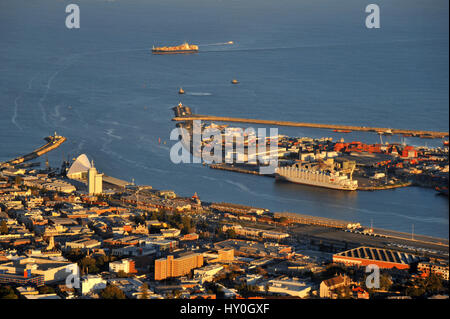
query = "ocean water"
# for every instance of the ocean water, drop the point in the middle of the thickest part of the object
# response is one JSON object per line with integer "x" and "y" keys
{"x": 312, "y": 61}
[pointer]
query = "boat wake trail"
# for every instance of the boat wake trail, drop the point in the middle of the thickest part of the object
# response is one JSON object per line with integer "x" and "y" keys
{"x": 69, "y": 61}
{"x": 14, "y": 117}
{"x": 122, "y": 158}
{"x": 30, "y": 84}
{"x": 44, "y": 96}
{"x": 110, "y": 132}
{"x": 199, "y": 93}
{"x": 219, "y": 43}
{"x": 114, "y": 51}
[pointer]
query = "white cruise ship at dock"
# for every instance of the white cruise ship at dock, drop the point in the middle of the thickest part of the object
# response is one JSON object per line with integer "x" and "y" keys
{"x": 317, "y": 178}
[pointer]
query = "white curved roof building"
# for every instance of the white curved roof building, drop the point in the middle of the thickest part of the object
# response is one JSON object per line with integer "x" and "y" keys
{"x": 80, "y": 167}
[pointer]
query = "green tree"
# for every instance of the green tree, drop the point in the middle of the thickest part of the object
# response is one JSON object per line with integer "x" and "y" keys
{"x": 112, "y": 292}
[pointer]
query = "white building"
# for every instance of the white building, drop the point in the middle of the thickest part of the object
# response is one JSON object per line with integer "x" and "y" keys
{"x": 227, "y": 292}
{"x": 171, "y": 232}
{"x": 208, "y": 272}
{"x": 83, "y": 243}
{"x": 79, "y": 168}
{"x": 125, "y": 265}
{"x": 52, "y": 270}
{"x": 91, "y": 283}
{"x": 287, "y": 286}
{"x": 252, "y": 279}
{"x": 95, "y": 181}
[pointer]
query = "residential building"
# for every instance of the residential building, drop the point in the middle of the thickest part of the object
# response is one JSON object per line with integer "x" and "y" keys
{"x": 176, "y": 267}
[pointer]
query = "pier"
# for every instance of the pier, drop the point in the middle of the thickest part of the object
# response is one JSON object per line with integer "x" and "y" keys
{"x": 380, "y": 130}
{"x": 53, "y": 142}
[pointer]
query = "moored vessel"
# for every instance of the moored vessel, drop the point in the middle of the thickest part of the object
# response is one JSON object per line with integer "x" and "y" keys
{"x": 300, "y": 175}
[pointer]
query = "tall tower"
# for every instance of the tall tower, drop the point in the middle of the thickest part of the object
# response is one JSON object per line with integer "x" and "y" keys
{"x": 95, "y": 181}
{"x": 51, "y": 243}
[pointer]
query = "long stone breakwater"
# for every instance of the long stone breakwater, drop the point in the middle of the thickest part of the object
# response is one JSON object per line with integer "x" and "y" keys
{"x": 380, "y": 130}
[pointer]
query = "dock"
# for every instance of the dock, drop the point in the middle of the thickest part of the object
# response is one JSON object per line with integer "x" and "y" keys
{"x": 379, "y": 130}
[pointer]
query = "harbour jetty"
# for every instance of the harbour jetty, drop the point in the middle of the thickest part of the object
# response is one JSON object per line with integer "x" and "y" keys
{"x": 53, "y": 142}
{"x": 379, "y": 130}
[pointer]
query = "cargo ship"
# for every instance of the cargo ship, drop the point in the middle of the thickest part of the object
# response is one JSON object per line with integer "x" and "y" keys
{"x": 342, "y": 131}
{"x": 300, "y": 175}
{"x": 184, "y": 48}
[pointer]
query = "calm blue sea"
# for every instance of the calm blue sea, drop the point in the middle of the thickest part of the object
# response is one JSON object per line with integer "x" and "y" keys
{"x": 312, "y": 61}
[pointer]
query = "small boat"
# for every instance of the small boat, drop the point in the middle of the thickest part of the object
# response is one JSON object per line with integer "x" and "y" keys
{"x": 181, "y": 91}
{"x": 234, "y": 81}
{"x": 445, "y": 143}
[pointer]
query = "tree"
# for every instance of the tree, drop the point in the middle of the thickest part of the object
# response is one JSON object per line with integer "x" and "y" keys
{"x": 122, "y": 274}
{"x": 433, "y": 284}
{"x": 231, "y": 233}
{"x": 139, "y": 220}
{"x": 261, "y": 271}
{"x": 204, "y": 235}
{"x": 266, "y": 288}
{"x": 75, "y": 255}
{"x": 6, "y": 292}
{"x": 43, "y": 290}
{"x": 177, "y": 294}
{"x": 3, "y": 228}
{"x": 282, "y": 219}
{"x": 144, "y": 291}
{"x": 112, "y": 292}
{"x": 18, "y": 180}
{"x": 333, "y": 269}
{"x": 89, "y": 264}
{"x": 385, "y": 282}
